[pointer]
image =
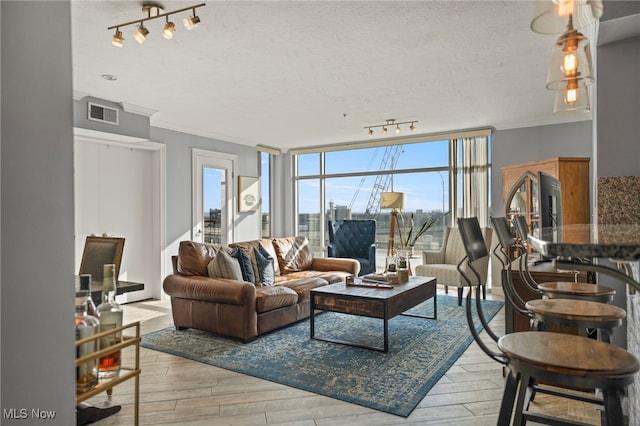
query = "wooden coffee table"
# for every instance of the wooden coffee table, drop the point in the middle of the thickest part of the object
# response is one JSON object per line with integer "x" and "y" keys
{"x": 384, "y": 303}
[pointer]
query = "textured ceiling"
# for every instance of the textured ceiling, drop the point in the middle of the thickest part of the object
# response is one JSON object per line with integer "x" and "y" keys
{"x": 294, "y": 74}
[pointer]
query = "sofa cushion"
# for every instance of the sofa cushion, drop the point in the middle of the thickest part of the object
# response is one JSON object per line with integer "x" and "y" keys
{"x": 274, "y": 297}
{"x": 446, "y": 274}
{"x": 245, "y": 264}
{"x": 267, "y": 245}
{"x": 194, "y": 257}
{"x": 300, "y": 285}
{"x": 248, "y": 246}
{"x": 225, "y": 266}
{"x": 294, "y": 254}
{"x": 331, "y": 277}
{"x": 266, "y": 271}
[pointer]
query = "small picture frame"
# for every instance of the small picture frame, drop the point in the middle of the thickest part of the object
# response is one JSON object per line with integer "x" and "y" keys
{"x": 248, "y": 193}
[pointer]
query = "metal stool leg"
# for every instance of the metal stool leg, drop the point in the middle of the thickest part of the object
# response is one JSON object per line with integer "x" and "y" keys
{"x": 508, "y": 397}
{"x": 523, "y": 394}
{"x": 613, "y": 407}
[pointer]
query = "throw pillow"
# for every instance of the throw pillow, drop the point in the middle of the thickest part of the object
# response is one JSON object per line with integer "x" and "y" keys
{"x": 245, "y": 264}
{"x": 225, "y": 266}
{"x": 265, "y": 266}
{"x": 294, "y": 254}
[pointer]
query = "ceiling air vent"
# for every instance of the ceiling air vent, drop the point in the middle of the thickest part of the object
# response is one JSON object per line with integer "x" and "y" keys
{"x": 103, "y": 114}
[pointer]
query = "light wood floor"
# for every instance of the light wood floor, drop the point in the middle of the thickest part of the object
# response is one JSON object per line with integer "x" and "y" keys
{"x": 175, "y": 390}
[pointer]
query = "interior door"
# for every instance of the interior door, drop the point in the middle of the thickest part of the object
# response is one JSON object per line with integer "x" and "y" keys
{"x": 213, "y": 196}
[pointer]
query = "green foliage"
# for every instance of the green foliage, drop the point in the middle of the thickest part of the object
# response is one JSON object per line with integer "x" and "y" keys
{"x": 411, "y": 236}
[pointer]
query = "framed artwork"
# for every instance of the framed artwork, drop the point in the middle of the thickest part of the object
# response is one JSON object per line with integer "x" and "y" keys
{"x": 248, "y": 193}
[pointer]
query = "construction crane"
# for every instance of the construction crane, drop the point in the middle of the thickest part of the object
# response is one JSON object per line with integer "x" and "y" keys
{"x": 383, "y": 181}
{"x": 363, "y": 179}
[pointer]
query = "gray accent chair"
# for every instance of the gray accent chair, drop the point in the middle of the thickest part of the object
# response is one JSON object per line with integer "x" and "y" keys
{"x": 442, "y": 264}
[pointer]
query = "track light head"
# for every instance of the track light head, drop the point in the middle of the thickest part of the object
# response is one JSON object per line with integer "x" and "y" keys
{"x": 117, "y": 39}
{"x": 155, "y": 11}
{"x": 192, "y": 21}
{"x": 141, "y": 34}
{"x": 390, "y": 123}
{"x": 168, "y": 30}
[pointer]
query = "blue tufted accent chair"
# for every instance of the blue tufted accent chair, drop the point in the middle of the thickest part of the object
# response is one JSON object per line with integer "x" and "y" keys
{"x": 354, "y": 239}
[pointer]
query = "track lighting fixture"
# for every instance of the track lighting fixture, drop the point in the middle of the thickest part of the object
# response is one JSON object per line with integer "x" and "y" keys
{"x": 141, "y": 34}
{"x": 168, "y": 30}
{"x": 192, "y": 21}
{"x": 155, "y": 11}
{"x": 391, "y": 122}
{"x": 117, "y": 39}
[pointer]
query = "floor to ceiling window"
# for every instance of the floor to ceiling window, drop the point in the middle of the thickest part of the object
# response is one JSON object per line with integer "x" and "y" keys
{"x": 265, "y": 166}
{"x": 333, "y": 184}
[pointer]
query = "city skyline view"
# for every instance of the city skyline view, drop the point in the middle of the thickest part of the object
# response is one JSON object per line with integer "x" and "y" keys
{"x": 423, "y": 190}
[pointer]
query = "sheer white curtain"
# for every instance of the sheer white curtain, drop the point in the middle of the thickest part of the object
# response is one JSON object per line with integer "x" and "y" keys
{"x": 473, "y": 172}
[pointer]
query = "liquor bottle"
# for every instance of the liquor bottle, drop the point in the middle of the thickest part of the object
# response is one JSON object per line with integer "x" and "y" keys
{"x": 85, "y": 284}
{"x": 110, "y": 314}
{"x": 86, "y": 326}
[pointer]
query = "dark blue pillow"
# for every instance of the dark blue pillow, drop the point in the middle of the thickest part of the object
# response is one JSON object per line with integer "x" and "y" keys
{"x": 265, "y": 266}
{"x": 245, "y": 264}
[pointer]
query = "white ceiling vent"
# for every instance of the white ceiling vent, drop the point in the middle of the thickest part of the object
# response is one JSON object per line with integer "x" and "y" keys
{"x": 103, "y": 114}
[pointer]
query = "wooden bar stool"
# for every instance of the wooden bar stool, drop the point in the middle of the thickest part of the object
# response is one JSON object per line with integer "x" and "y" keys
{"x": 559, "y": 359}
{"x": 581, "y": 314}
{"x": 557, "y": 289}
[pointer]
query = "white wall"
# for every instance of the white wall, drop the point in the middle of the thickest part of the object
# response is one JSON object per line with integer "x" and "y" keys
{"x": 114, "y": 194}
{"x": 178, "y": 193}
{"x": 36, "y": 283}
{"x": 178, "y": 184}
{"x": 528, "y": 144}
{"x": 619, "y": 108}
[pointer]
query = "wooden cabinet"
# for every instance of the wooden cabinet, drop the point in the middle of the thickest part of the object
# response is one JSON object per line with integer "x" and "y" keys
{"x": 541, "y": 272}
{"x": 520, "y": 191}
{"x": 520, "y": 196}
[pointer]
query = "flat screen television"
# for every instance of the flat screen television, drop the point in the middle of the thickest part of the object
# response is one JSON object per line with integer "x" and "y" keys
{"x": 549, "y": 207}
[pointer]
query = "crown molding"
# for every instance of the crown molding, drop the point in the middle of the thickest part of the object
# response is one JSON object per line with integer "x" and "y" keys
{"x": 197, "y": 132}
{"x": 137, "y": 109}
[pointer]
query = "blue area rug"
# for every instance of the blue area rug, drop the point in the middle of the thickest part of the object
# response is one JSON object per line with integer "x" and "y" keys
{"x": 420, "y": 353}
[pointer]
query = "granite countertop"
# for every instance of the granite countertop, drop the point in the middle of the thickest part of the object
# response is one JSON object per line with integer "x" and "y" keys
{"x": 618, "y": 242}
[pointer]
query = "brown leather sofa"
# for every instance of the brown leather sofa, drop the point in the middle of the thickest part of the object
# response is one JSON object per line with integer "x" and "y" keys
{"x": 242, "y": 309}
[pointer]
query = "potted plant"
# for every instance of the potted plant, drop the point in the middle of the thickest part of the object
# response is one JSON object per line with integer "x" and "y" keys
{"x": 409, "y": 236}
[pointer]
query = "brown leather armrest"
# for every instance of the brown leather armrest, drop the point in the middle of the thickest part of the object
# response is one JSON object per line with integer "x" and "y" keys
{"x": 219, "y": 290}
{"x": 335, "y": 264}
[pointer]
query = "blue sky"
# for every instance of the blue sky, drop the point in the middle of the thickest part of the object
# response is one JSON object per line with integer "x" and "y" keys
{"x": 423, "y": 190}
